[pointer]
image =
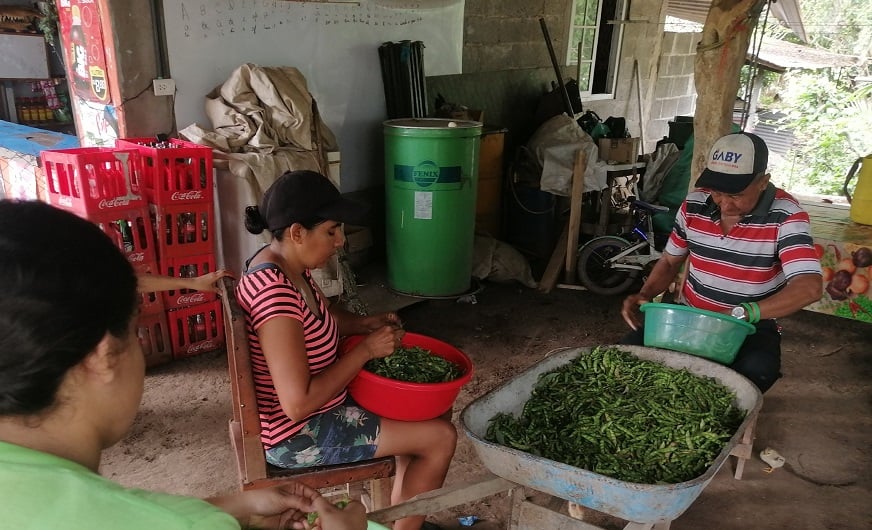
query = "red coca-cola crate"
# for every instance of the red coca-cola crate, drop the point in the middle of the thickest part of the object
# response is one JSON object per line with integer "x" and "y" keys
{"x": 183, "y": 230}
{"x": 196, "y": 329}
{"x": 154, "y": 338}
{"x": 93, "y": 180}
{"x": 174, "y": 171}
{"x": 132, "y": 232}
{"x": 187, "y": 267}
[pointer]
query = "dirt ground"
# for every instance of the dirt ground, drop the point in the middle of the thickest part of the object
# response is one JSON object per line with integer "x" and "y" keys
{"x": 817, "y": 416}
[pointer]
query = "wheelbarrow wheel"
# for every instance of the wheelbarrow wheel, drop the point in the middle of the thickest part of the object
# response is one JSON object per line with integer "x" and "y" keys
{"x": 597, "y": 274}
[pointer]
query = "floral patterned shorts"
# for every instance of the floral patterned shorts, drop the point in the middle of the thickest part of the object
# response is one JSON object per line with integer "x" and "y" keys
{"x": 347, "y": 433}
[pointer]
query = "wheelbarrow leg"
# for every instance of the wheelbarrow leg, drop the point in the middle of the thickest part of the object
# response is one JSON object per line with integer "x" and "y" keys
{"x": 743, "y": 450}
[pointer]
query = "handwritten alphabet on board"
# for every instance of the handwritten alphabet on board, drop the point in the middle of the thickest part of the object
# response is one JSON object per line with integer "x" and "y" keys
{"x": 207, "y": 19}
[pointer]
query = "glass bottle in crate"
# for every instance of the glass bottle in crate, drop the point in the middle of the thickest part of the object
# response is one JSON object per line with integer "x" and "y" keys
{"x": 192, "y": 329}
{"x": 204, "y": 228}
{"x": 126, "y": 235}
{"x": 200, "y": 326}
{"x": 190, "y": 228}
{"x": 214, "y": 322}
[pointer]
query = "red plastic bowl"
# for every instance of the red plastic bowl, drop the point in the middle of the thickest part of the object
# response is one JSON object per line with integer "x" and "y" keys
{"x": 403, "y": 400}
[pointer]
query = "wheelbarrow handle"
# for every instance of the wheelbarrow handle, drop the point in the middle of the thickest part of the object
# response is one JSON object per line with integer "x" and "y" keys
{"x": 851, "y": 173}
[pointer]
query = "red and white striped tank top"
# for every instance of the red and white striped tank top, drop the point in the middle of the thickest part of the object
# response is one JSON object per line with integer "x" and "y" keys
{"x": 264, "y": 293}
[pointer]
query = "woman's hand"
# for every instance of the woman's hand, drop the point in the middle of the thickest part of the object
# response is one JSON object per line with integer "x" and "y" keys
{"x": 383, "y": 341}
{"x": 209, "y": 281}
{"x": 275, "y": 508}
{"x": 331, "y": 517}
{"x": 373, "y": 322}
{"x": 630, "y": 310}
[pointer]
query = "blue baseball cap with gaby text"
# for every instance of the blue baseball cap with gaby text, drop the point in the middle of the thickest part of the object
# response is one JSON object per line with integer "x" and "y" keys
{"x": 733, "y": 162}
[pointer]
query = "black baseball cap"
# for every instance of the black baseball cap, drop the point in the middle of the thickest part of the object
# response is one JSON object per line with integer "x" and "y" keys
{"x": 733, "y": 162}
{"x": 302, "y": 196}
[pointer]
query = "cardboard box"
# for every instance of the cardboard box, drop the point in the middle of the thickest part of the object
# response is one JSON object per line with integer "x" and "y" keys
{"x": 327, "y": 278}
{"x": 618, "y": 150}
{"x": 358, "y": 243}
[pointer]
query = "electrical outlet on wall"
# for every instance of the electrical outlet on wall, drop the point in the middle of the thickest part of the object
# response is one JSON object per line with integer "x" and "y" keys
{"x": 164, "y": 87}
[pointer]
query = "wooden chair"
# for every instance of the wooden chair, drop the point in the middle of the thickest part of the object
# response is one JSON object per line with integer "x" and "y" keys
{"x": 254, "y": 472}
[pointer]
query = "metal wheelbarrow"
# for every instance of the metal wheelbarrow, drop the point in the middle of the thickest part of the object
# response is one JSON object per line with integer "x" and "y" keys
{"x": 645, "y": 504}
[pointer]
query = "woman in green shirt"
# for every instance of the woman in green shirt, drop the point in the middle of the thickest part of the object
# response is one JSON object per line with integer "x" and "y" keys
{"x": 71, "y": 379}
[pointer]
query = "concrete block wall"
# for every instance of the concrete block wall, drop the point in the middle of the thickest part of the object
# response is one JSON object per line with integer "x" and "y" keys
{"x": 507, "y": 34}
{"x": 674, "y": 91}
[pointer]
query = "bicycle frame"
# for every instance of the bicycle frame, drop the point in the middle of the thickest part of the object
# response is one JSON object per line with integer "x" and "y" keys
{"x": 626, "y": 260}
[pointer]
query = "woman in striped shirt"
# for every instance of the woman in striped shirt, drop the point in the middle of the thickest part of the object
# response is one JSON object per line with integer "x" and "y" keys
{"x": 307, "y": 416}
{"x": 749, "y": 254}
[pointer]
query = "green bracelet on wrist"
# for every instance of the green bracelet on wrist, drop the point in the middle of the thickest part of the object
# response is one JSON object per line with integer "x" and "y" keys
{"x": 755, "y": 313}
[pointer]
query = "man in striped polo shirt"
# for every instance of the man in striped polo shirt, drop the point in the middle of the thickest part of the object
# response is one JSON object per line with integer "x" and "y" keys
{"x": 749, "y": 253}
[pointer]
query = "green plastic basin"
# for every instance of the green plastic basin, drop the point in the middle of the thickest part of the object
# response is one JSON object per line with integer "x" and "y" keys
{"x": 707, "y": 334}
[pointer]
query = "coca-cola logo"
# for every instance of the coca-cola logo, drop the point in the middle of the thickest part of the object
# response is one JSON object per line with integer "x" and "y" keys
{"x": 113, "y": 203}
{"x": 198, "y": 347}
{"x": 136, "y": 256}
{"x": 193, "y": 195}
{"x": 190, "y": 299}
{"x": 65, "y": 200}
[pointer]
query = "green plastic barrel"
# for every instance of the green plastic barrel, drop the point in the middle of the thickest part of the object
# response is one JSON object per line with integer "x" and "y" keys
{"x": 431, "y": 175}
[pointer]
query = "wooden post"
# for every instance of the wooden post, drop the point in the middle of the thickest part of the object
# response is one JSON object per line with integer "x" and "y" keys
{"x": 720, "y": 55}
{"x": 574, "y": 215}
{"x": 552, "y": 270}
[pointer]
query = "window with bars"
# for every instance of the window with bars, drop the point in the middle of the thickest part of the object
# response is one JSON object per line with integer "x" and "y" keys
{"x": 595, "y": 43}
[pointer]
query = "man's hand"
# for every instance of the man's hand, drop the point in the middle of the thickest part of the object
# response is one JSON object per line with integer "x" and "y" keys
{"x": 630, "y": 310}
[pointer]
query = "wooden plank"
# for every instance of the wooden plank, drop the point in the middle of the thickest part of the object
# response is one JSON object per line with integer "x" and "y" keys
{"x": 552, "y": 270}
{"x": 532, "y": 516}
{"x": 574, "y": 215}
{"x": 443, "y": 498}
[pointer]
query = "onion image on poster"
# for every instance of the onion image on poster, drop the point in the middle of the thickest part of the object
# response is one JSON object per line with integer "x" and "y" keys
{"x": 847, "y": 279}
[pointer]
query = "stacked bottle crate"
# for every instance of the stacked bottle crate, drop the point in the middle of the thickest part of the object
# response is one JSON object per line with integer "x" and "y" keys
{"x": 104, "y": 185}
{"x": 177, "y": 182}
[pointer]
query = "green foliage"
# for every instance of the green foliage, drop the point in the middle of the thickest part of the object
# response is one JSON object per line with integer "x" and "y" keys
{"x": 48, "y": 23}
{"x": 829, "y": 113}
{"x": 832, "y": 125}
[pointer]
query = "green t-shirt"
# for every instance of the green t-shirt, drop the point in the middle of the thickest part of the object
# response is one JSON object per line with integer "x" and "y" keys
{"x": 40, "y": 491}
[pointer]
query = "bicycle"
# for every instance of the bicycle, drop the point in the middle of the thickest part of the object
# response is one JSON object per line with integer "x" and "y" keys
{"x": 608, "y": 265}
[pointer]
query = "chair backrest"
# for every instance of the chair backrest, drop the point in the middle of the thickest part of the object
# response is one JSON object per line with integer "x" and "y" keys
{"x": 254, "y": 472}
{"x": 245, "y": 424}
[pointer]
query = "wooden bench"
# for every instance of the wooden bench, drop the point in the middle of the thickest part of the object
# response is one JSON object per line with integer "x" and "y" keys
{"x": 254, "y": 472}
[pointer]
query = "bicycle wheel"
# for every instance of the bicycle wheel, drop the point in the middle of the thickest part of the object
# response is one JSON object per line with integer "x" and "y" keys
{"x": 597, "y": 275}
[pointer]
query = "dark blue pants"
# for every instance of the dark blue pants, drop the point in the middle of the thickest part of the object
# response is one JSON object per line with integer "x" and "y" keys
{"x": 758, "y": 359}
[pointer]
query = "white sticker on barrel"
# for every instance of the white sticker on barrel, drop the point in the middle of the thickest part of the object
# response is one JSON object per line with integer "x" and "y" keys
{"x": 423, "y": 205}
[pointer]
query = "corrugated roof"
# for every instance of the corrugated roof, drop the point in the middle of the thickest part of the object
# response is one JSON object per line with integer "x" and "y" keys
{"x": 778, "y": 55}
{"x": 787, "y": 11}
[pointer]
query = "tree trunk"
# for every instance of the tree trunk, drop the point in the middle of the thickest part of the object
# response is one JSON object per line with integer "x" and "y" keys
{"x": 719, "y": 59}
